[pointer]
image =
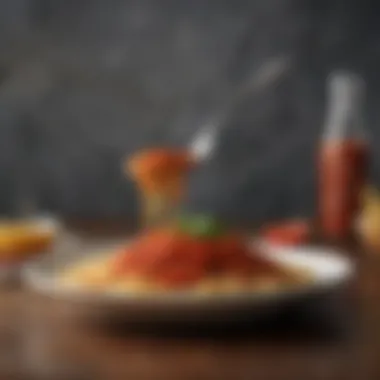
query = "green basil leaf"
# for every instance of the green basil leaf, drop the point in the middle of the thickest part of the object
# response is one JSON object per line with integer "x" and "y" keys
{"x": 202, "y": 226}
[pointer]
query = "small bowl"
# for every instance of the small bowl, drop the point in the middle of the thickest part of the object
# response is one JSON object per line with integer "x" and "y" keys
{"x": 24, "y": 239}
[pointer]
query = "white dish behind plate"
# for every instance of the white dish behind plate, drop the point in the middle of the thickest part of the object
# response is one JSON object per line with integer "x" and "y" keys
{"x": 329, "y": 268}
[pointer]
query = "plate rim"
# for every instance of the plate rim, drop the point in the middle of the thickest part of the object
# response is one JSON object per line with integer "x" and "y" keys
{"x": 35, "y": 279}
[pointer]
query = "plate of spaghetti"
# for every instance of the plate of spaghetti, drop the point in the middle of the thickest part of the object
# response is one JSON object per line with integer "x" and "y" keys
{"x": 193, "y": 265}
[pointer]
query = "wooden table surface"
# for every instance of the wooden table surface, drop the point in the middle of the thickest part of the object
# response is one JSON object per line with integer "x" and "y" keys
{"x": 315, "y": 340}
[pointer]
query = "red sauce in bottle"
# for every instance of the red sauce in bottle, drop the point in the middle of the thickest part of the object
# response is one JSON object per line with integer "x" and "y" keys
{"x": 342, "y": 175}
{"x": 343, "y": 156}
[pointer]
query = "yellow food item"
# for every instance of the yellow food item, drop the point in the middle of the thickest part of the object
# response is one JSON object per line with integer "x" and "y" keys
{"x": 94, "y": 275}
{"x": 369, "y": 219}
{"x": 19, "y": 240}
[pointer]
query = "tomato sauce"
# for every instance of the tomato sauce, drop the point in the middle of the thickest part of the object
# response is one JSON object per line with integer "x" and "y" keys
{"x": 158, "y": 169}
{"x": 342, "y": 175}
{"x": 293, "y": 232}
{"x": 174, "y": 259}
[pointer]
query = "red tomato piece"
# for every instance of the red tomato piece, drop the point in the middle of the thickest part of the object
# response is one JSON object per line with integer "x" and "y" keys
{"x": 291, "y": 233}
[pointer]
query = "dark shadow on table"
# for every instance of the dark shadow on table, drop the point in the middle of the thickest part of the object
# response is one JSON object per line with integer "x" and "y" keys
{"x": 319, "y": 320}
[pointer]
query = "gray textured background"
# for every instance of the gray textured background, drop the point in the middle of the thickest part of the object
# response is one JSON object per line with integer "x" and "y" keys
{"x": 85, "y": 82}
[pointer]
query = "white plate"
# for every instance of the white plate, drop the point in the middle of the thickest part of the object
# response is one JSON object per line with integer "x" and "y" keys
{"x": 330, "y": 270}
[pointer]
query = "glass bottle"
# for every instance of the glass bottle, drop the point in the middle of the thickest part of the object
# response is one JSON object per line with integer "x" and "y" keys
{"x": 343, "y": 156}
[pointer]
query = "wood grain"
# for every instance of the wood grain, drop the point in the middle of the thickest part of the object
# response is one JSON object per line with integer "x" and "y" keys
{"x": 336, "y": 338}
